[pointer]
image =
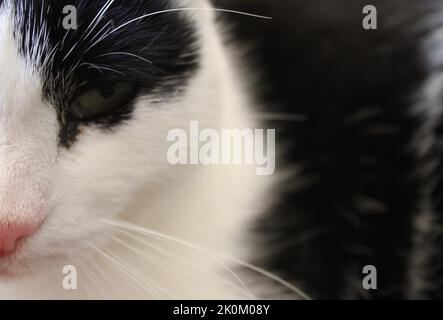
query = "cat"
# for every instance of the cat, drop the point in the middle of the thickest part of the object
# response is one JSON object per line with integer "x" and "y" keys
{"x": 91, "y": 208}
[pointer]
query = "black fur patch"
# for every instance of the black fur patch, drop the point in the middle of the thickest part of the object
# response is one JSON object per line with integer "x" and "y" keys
{"x": 357, "y": 195}
{"x": 156, "y": 54}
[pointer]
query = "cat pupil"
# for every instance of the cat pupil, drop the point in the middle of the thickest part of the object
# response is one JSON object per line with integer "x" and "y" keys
{"x": 107, "y": 92}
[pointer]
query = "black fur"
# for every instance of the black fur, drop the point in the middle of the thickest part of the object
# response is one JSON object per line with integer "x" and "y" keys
{"x": 167, "y": 40}
{"x": 359, "y": 189}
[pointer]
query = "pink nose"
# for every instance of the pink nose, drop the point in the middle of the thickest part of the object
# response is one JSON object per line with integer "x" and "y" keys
{"x": 10, "y": 236}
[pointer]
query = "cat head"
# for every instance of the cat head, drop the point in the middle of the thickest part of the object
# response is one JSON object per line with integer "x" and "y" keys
{"x": 84, "y": 114}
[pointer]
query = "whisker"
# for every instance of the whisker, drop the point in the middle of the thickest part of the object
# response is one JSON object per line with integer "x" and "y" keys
{"x": 144, "y": 256}
{"x": 136, "y": 276}
{"x": 70, "y": 51}
{"x": 185, "y": 262}
{"x": 175, "y": 10}
{"x": 98, "y": 18}
{"x": 99, "y": 33}
{"x": 134, "y": 284}
{"x": 165, "y": 267}
{"x": 100, "y": 68}
{"x": 247, "y": 265}
{"x": 189, "y": 245}
{"x": 125, "y": 270}
{"x": 94, "y": 23}
{"x": 125, "y": 53}
{"x": 89, "y": 273}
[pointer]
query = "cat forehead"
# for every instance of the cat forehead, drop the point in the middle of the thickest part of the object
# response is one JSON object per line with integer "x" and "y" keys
{"x": 73, "y": 43}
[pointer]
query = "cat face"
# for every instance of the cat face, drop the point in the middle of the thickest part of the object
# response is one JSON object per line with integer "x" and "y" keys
{"x": 84, "y": 115}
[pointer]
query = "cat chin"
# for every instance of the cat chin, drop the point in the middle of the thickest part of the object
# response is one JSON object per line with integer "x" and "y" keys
{"x": 21, "y": 264}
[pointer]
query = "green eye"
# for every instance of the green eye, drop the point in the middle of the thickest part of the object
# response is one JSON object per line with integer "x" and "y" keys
{"x": 101, "y": 101}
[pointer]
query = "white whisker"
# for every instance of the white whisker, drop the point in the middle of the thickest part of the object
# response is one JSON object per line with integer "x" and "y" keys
{"x": 100, "y": 68}
{"x": 174, "y": 10}
{"x": 125, "y": 53}
{"x": 101, "y": 30}
{"x": 94, "y": 23}
{"x": 87, "y": 271}
{"x": 247, "y": 265}
{"x": 189, "y": 245}
{"x": 187, "y": 263}
{"x": 151, "y": 260}
{"x": 136, "y": 276}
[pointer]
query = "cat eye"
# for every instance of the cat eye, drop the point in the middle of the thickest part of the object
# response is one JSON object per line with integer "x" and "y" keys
{"x": 101, "y": 101}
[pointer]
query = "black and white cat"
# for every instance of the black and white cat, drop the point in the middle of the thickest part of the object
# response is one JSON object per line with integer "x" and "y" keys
{"x": 91, "y": 208}
{"x": 85, "y": 116}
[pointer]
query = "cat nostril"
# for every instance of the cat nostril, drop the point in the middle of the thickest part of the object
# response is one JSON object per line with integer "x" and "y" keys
{"x": 10, "y": 236}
